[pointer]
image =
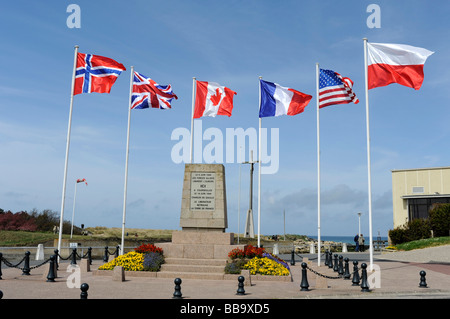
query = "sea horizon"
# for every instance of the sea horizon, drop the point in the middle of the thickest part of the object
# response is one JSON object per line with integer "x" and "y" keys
{"x": 344, "y": 239}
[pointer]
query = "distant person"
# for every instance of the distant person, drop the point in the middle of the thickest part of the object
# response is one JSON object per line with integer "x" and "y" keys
{"x": 361, "y": 242}
{"x": 356, "y": 240}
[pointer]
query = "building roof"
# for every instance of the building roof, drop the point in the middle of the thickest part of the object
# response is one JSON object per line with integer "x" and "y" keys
{"x": 419, "y": 169}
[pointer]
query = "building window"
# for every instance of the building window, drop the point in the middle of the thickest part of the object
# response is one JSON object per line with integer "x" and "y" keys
{"x": 419, "y": 207}
{"x": 418, "y": 189}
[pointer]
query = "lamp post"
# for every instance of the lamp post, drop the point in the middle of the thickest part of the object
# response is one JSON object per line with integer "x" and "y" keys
{"x": 80, "y": 180}
{"x": 359, "y": 223}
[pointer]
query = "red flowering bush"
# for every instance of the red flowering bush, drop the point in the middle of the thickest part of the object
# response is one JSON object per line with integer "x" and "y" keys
{"x": 248, "y": 252}
{"x": 251, "y": 251}
{"x": 236, "y": 253}
{"x": 148, "y": 248}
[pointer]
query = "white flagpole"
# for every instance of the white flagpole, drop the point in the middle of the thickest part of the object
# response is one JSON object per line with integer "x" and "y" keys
{"x": 69, "y": 126}
{"x": 368, "y": 156}
{"x": 318, "y": 165}
{"x": 239, "y": 193}
{"x": 126, "y": 164}
{"x": 259, "y": 170}
{"x": 73, "y": 211}
{"x": 192, "y": 118}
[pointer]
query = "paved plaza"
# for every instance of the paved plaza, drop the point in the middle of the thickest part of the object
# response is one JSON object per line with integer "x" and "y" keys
{"x": 398, "y": 277}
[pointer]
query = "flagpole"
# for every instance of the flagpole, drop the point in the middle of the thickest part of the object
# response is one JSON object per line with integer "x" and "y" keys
{"x": 192, "y": 118}
{"x": 69, "y": 126}
{"x": 318, "y": 165}
{"x": 239, "y": 193}
{"x": 126, "y": 164}
{"x": 73, "y": 211}
{"x": 368, "y": 156}
{"x": 259, "y": 171}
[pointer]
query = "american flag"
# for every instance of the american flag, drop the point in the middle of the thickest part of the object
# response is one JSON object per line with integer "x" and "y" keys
{"x": 335, "y": 89}
{"x": 147, "y": 93}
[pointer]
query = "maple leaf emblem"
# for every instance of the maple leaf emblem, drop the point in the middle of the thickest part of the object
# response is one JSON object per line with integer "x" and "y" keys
{"x": 215, "y": 99}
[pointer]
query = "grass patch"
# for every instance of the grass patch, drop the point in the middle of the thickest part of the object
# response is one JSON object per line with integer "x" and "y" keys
{"x": 18, "y": 238}
{"x": 424, "y": 243}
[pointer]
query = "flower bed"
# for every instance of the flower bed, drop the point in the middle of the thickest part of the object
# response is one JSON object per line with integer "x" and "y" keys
{"x": 257, "y": 261}
{"x": 144, "y": 258}
{"x": 266, "y": 266}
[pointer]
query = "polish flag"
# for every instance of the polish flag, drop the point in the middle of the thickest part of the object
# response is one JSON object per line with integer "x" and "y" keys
{"x": 396, "y": 63}
{"x": 213, "y": 99}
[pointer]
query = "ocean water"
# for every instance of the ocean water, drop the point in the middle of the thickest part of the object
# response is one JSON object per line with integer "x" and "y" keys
{"x": 344, "y": 239}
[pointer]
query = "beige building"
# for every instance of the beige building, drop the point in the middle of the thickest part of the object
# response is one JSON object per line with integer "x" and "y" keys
{"x": 414, "y": 192}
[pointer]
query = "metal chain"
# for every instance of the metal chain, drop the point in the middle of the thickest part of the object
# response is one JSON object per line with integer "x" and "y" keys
{"x": 322, "y": 275}
{"x": 7, "y": 263}
{"x": 41, "y": 264}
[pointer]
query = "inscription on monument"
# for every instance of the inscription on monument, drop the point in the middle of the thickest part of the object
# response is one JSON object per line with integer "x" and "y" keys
{"x": 203, "y": 190}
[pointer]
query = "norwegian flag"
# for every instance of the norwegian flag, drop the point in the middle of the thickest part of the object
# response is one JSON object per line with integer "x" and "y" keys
{"x": 95, "y": 73}
{"x": 147, "y": 93}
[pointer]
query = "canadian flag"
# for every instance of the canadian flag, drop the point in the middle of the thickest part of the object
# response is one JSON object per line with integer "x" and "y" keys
{"x": 212, "y": 99}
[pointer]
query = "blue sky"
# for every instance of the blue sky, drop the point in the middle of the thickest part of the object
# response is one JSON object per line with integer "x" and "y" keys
{"x": 232, "y": 43}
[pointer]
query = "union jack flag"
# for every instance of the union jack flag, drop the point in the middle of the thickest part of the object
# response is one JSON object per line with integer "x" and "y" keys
{"x": 95, "y": 73}
{"x": 147, "y": 93}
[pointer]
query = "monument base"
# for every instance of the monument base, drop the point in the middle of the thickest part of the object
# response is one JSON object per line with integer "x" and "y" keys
{"x": 199, "y": 245}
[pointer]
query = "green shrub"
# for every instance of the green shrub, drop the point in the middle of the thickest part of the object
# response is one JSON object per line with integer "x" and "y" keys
{"x": 398, "y": 235}
{"x": 418, "y": 229}
{"x": 413, "y": 230}
{"x": 439, "y": 217}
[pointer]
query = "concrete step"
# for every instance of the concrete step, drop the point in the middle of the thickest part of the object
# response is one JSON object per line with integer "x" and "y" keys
{"x": 192, "y": 268}
{"x": 191, "y": 261}
{"x": 190, "y": 275}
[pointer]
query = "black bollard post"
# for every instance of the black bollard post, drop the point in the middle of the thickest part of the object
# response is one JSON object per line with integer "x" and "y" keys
{"x": 346, "y": 270}
{"x": 330, "y": 260}
{"x": 105, "y": 257}
{"x": 26, "y": 266}
{"x": 423, "y": 282}
{"x": 304, "y": 285}
{"x": 177, "y": 293}
{"x": 56, "y": 259}
{"x": 364, "y": 283}
{"x": 117, "y": 251}
{"x": 90, "y": 255}
{"x": 74, "y": 256}
{"x": 240, "y": 290}
{"x": 293, "y": 257}
{"x": 356, "y": 279}
{"x": 341, "y": 266}
{"x": 51, "y": 270}
{"x": 336, "y": 263}
{"x": 84, "y": 288}
{"x": 1, "y": 259}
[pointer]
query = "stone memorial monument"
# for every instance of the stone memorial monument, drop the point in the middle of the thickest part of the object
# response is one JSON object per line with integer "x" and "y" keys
{"x": 203, "y": 218}
{"x": 204, "y": 204}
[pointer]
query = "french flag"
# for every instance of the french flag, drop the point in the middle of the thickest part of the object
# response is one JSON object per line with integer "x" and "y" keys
{"x": 277, "y": 100}
{"x": 395, "y": 63}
